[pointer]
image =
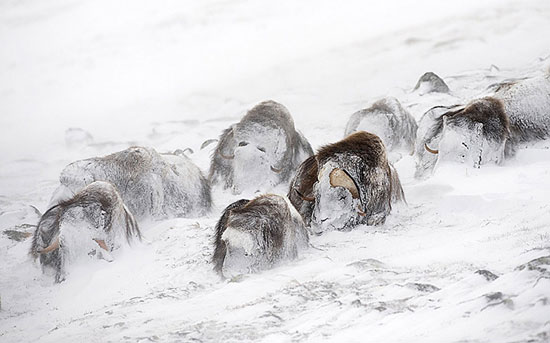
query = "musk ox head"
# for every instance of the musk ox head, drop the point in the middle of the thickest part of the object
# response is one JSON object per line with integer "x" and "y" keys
{"x": 388, "y": 120}
{"x": 527, "y": 105}
{"x": 92, "y": 223}
{"x": 151, "y": 184}
{"x": 260, "y": 151}
{"x": 254, "y": 235}
{"x": 346, "y": 184}
{"x": 474, "y": 134}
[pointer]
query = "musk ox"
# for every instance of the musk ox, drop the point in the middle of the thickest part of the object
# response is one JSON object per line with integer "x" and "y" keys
{"x": 151, "y": 184}
{"x": 431, "y": 83}
{"x": 254, "y": 235}
{"x": 527, "y": 105}
{"x": 259, "y": 152}
{"x": 346, "y": 184}
{"x": 93, "y": 222}
{"x": 474, "y": 134}
{"x": 487, "y": 130}
{"x": 387, "y": 119}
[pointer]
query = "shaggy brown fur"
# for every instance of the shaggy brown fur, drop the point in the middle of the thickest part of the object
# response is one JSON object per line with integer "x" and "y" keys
{"x": 361, "y": 155}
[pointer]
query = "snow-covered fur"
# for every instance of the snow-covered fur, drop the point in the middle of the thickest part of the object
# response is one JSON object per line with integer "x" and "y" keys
{"x": 527, "y": 104}
{"x": 93, "y": 222}
{"x": 430, "y": 83}
{"x": 254, "y": 235}
{"x": 259, "y": 152}
{"x": 388, "y": 120}
{"x": 151, "y": 184}
{"x": 474, "y": 134}
{"x": 346, "y": 184}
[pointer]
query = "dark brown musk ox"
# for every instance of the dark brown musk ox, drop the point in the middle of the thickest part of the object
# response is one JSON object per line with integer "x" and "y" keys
{"x": 93, "y": 222}
{"x": 152, "y": 185}
{"x": 387, "y": 119}
{"x": 346, "y": 184}
{"x": 259, "y": 152}
{"x": 486, "y": 130}
{"x": 254, "y": 235}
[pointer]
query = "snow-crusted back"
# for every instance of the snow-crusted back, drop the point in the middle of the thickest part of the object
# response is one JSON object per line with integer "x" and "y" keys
{"x": 151, "y": 184}
{"x": 387, "y": 119}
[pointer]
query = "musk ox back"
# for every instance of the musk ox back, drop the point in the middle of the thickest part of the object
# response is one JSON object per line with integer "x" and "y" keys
{"x": 388, "y": 120}
{"x": 92, "y": 223}
{"x": 259, "y": 152}
{"x": 527, "y": 105}
{"x": 151, "y": 184}
{"x": 346, "y": 184}
{"x": 474, "y": 134}
{"x": 254, "y": 235}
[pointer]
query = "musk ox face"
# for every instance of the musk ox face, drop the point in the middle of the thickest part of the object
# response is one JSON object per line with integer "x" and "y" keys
{"x": 254, "y": 235}
{"x": 474, "y": 134}
{"x": 151, "y": 184}
{"x": 92, "y": 223}
{"x": 260, "y": 151}
{"x": 388, "y": 120}
{"x": 346, "y": 184}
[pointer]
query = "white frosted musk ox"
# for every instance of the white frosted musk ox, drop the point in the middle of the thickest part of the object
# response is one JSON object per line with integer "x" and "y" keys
{"x": 151, "y": 184}
{"x": 387, "y": 119}
{"x": 527, "y": 105}
{"x": 346, "y": 184}
{"x": 94, "y": 222}
{"x": 259, "y": 152}
{"x": 254, "y": 235}
{"x": 474, "y": 134}
{"x": 487, "y": 130}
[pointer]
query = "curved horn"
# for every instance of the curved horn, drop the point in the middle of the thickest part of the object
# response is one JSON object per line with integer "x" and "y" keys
{"x": 303, "y": 197}
{"x": 428, "y": 149}
{"x": 53, "y": 245}
{"x": 360, "y": 211}
{"x": 226, "y": 156}
{"x": 101, "y": 244}
{"x": 275, "y": 170}
{"x": 339, "y": 178}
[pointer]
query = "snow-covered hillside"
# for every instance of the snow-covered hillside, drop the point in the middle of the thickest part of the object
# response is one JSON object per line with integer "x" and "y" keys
{"x": 467, "y": 260}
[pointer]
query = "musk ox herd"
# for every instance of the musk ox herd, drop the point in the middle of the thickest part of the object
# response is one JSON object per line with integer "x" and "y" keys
{"x": 100, "y": 201}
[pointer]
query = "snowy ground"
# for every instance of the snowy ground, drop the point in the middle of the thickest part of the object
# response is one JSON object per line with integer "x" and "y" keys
{"x": 468, "y": 260}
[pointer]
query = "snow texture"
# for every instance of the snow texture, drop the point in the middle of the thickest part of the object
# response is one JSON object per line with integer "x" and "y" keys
{"x": 466, "y": 261}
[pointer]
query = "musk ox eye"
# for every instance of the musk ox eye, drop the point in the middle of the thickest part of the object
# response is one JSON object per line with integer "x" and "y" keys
{"x": 243, "y": 143}
{"x": 261, "y": 149}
